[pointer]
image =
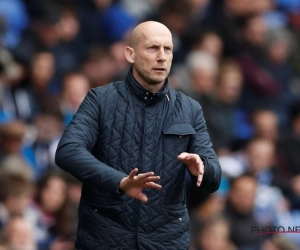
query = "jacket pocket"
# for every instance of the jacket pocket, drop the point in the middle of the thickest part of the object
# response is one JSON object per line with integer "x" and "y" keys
{"x": 112, "y": 210}
{"x": 176, "y": 215}
{"x": 179, "y": 129}
{"x": 177, "y": 137}
{"x": 175, "y": 211}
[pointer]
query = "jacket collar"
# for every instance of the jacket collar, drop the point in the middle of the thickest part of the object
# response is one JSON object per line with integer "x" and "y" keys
{"x": 143, "y": 94}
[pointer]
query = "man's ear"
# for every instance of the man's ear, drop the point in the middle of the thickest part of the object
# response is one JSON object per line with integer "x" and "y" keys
{"x": 129, "y": 54}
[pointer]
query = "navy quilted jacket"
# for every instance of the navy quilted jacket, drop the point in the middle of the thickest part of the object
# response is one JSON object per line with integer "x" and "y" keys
{"x": 122, "y": 126}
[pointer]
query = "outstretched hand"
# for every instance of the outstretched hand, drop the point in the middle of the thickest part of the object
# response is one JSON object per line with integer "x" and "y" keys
{"x": 194, "y": 164}
{"x": 133, "y": 185}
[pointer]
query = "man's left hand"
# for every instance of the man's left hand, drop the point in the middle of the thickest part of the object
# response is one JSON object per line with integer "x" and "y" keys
{"x": 194, "y": 164}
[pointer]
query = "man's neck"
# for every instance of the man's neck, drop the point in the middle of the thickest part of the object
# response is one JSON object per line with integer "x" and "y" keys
{"x": 153, "y": 88}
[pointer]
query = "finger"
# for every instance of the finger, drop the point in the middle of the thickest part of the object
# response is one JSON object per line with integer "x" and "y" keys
{"x": 153, "y": 185}
{"x": 144, "y": 176}
{"x": 152, "y": 179}
{"x": 182, "y": 156}
{"x": 141, "y": 197}
{"x": 198, "y": 159}
{"x": 201, "y": 169}
{"x": 194, "y": 157}
{"x": 200, "y": 174}
{"x": 199, "y": 179}
{"x": 133, "y": 173}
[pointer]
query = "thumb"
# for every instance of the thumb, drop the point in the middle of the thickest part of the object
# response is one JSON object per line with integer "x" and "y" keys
{"x": 182, "y": 156}
{"x": 142, "y": 197}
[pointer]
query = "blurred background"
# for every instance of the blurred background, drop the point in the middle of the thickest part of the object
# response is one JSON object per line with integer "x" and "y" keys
{"x": 239, "y": 58}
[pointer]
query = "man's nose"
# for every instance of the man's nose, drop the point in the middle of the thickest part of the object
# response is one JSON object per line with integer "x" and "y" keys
{"x": 162, "y": 55}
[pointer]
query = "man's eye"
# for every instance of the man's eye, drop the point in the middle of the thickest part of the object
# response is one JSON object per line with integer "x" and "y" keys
{"x": 168, "y": 50}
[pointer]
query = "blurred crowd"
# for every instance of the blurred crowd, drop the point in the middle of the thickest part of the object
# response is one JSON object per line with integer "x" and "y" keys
{"x": 239, "y": 58}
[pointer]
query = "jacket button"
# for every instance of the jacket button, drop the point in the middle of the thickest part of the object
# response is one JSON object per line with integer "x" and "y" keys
{"x": 180, "y": 219}
{"x": 146, "y": 97}
{"x": 180, "y": 136}
{"x": 96, "y": 210}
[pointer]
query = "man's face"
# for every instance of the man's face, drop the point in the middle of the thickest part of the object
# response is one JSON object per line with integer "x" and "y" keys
{"x": 152, "y": 56}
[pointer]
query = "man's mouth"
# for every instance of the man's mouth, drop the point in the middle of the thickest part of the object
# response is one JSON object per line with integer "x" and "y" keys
{"x": 160, "y": 69}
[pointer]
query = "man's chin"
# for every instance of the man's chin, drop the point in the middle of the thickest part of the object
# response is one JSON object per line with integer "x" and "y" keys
{"x": 158, "y": 81}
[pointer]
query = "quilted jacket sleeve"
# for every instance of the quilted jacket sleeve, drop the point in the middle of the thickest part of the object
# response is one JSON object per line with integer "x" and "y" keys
{"x": 201, "y": 145}
{"x": 73, "y": 152}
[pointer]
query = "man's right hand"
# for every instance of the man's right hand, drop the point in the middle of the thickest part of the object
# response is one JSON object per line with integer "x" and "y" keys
{"x": 133, "y": 185}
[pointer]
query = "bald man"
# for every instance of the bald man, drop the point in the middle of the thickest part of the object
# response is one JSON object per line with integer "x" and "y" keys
{"x": 130, "y": 144}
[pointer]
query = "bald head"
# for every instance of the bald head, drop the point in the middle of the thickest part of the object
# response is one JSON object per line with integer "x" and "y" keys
{"x": 150, "y": 52}
{"x": 144, "y": 30}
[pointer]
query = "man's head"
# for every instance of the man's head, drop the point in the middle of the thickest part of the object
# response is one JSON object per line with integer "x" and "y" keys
{"x": 242, "y": 194}
{"x": 150, "y": 52}
{"x": 75, "y": 87}
{"x": 11, "y": 136}
{"x": 16, "y": 192}
{"x": 265, "y": 123}
{"x": 261, "y": 154}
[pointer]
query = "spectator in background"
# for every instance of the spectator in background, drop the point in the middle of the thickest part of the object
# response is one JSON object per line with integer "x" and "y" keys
{"x": 115, "y": 21}
{"x": 14, "y": 18}
{"x": 215, "y": 234}
{"x": 25, "y": 98}
{"x": 13, "y": 157}
{"x": 289, "y": 148}
{"x": 16, "y": 194}
{"x": 292, "y": 217}
{"x": 12, "y": 103}
{"x": 176, "y": 15}
{"x": 265, "y": 124}
{"x": 66, "y": 218}
{"x": 279, "y": 243}
{"x": 120, "y": 63}
{"x": 279, "y": 48}
{"x": 270, "y": 204}
{"x": 75, "y": 87}
{"x": 209, "y": 41}
{"x": 99, "y": 58}
{"x": 198, "y": 78}
{"x": 42, "y": 71}
{"x": 258, "y": 160}
{"x": 210, "y": 207}
{"x": 289, "y": 143}
{"x": 20, "y": 234}
{"x": 49, "y": 126}
{"x": 199, "y": 10}
{"x": 105, "y": 22}
{"x": 42, "y": 33}
{"x": 259, "y": 84}
{"x": 261, "y": 160}
{"x": 55, "y": 28}
{"x": 50, "y": 198}
{"x": 140, "y": 10}
{"x": 222, "y": 113}
{"x": 222, "y": 17}
{"x": 294, "y": 194}
{"x": 62, "y": 245}
{"x": 239, "y": 212}
{"x": 71, "y": 50}
{"x": 3, "y": 241}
